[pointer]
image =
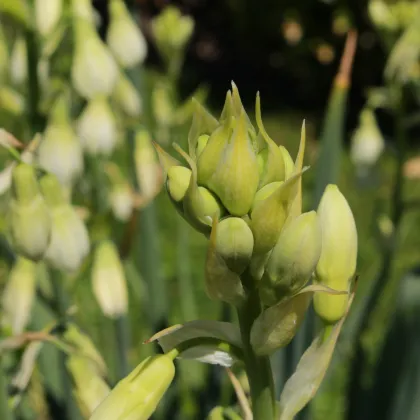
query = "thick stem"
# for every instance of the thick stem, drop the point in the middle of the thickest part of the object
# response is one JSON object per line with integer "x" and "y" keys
{"x": 258, "y": 368}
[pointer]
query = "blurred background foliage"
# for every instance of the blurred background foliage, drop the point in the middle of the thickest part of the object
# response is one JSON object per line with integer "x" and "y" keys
{"x": 291, "y": 52}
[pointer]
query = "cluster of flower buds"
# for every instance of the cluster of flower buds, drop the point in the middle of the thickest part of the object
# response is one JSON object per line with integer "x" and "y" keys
{"x": 242, "y": 190}
{"x": 43, "y": 224}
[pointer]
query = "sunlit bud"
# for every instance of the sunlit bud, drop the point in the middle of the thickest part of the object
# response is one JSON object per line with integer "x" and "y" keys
{"x": 97, "y": 127}
{"x": 47, "y": 15}
{"x": 108, "y": 280}
{"x": 337, "y": 263}
{"x": 172, "y": 31}
{"x": 201, "y": 144}
{"x": 293, "y": 259}
{"x": 138, "y": 394}
{"x": 4, "y": 57}
{"x": 367, "y": 142}
{"x": 289, "y": 165}
{"x": 234, "y": 243}
{"x": 268, "y": 216}
{"x": 101, "y": 77}
{"x": 19, "y": 62}
{"x": 124, "y": 37}
{"x": 89, "y": 387}
{"x": 69, "y": 244}
{"x": 148, "y": 171}
{"x": 83, "y": 9}
{"x": 221, "y": 282}
{"x": 60, "y": 151}
{"x": 381, "y": 15}
{"x": 126, "y": 97}
{"x": 29, "y": 216}
{"x": 11, "y": 101}
{"x": 19, "y": 294}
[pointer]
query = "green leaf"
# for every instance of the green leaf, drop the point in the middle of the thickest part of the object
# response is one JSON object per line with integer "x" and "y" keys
{"x": 304, "y": 383}
{"x": 211, "y": 342}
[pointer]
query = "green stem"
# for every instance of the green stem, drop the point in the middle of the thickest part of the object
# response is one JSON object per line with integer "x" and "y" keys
{"x": 258, "y": 368}
{"x": 5, "y": 411}
{"x": 122, "y": 336}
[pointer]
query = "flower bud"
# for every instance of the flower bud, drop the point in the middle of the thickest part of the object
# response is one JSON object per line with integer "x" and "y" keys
{"x": 47, "y": 15}
{"x": 11, "y": 101}
{"x": 97, "y": 79}
{"x": 265, "y": 192}
{"x": 293, "y": 259}
{"x": 97, "y": 127}
{"x": 201, "y": 144}
{"x": 19, "y": 62}
{"x": 177, "y": 183}
{"x": 234, "y": 243}
{"x": 29, "y": 216}
{"x": 138, "y": 394}
{"x": 337, "y": 263}
{"x": 126, "y": 97}
{"x": 69, "y": 243}
{"x": 162, "y": 105}
{"x": 60, "y": 151}
{"x": 289, "y": 165}
{"x": 381, "y": 14}
{"x": 108, "y": 280}
{"x": 124, "y": 37}
{"x": 83, "y": 9}
{"x": 19, "y": 294}
{"x": 367, "y": 142}
{"x": 121, "y": 193}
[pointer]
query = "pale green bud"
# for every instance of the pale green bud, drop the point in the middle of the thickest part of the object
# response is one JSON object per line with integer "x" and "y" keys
{"x": 177, "y": 183}
{"x": 136, "y": 396}
{"x": 234, "y": 243}
{"x": 126, "y": 97}
{"x": 163, "y": 107}
{"x": 121, "y": 200}
{"x": 69, "y": 244}
{"x": 30, "y": 221}
{"x": 83, "y": 9}
{"x": 367, "y": 141}
{"x": 19, "y": 62}
{"x": 293, "y": 259}
{"x": 97, "y": 127}
{"x": 201, "y": 144}
{"x": 382, "y": 16}
{"x": 337, "y": 263}
{"x": 265, "y": 192}
{"x": 11, "y": 101}
{"x": 19, "y": 294}
{"x": 90, "y": 79}
{"x": 47, "y": 15}
{"x": 124, "y": 37}
{"x": 235, "y": 179}
{"x": 108, "y": 280}
{"x": 289, "y": 165}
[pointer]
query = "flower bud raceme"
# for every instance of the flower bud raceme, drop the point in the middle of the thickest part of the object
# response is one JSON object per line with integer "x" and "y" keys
{"x": 19, "y": 294}
{"x": 293, "y": 259}
{"x": 337, "y": 263}
{"x": 101, "y": 77}
{"x": 126, "y": 97}
{"x": 124, "y": 37}
{"x": 137, "y": 395}
{"x": 60, "y": 151}
{"x": 108, "y": 280}
{"x": 69, "y": 243}
{"x": 97, "y": 127}
{"x": 30, "y": 221}
{"x": 47, "y": 15}
{"x": 18, "y": 62}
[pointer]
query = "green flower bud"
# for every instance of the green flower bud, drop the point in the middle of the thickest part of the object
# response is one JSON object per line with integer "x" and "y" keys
{"x": 235, "y": 179}
{"x": 47, "y": 15}
{"x": 201, "y": 144}
{"x": 126, "y": 97}
{"x": 121, "y": 200}
{"x": 289, "y": 165}
{"x": 124, "y": 37}
{"x": 30, "y": 221}
{"x": 18, "y": 62}
{"x": 69, "y": 243}
{"x": 337, "y": 263}
{"x": 60, "y": 151}
{"x": 11, "y": 101}
{"x": 222, "y": 283}
{"x": 108, "y": 280}
{"x": 234, "y": 243}
{"x": 92, "y": 80}
{"x": 177, "y": 183}
{"x": 83, "y": 9}
{"x": 137, "y": 395}
{"x": 19, "y": 294}
{"x": 268, "y": 216}
{"x": 97, "y": 127}
{"x": 265, "y": 192}
{"x": 293, "y": 259}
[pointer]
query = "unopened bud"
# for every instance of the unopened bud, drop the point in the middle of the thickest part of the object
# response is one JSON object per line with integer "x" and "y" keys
{"x": 83, "y": 9}
{"x": 19, "y": 62}
{"x": 177, "y": 183}
{"x": 11, "y": 101}
{"x": 337, "y": 263}
{"x": 126, "y": 97}
{"x": 293, "y": 259}
{"x": 124, "y": 37}
{"x": 137, "y": 395}
{"x": 47, "y": 15}
{"x": 108, "y": 280}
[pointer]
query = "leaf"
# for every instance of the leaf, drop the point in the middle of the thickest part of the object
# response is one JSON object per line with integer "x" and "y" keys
{"x": 278, "y": 324}
{"x": 304, "y": 383}
{"x": 211, "y": 342}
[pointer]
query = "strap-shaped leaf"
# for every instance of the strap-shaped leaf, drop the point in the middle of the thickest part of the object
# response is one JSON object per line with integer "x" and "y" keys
{"x": 211, "y": 342}
{"x": 304, "y": 383}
